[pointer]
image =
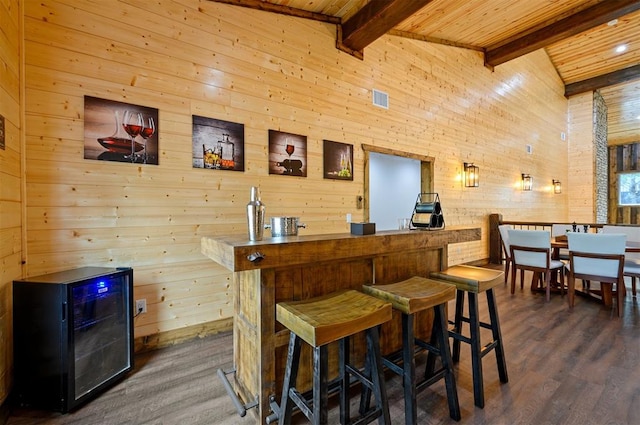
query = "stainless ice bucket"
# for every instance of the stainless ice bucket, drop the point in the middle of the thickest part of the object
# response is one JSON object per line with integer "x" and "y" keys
{"x": 284, "y": 226}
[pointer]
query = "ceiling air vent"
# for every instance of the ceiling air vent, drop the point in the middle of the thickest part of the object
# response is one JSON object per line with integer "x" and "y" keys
{"x": 380, "y": 99}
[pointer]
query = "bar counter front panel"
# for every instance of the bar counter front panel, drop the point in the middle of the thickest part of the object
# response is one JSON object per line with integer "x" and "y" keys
{"x": 304, "y": 266}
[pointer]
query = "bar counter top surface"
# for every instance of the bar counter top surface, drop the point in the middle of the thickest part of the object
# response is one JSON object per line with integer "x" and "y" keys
{"x": 233, "y": 251}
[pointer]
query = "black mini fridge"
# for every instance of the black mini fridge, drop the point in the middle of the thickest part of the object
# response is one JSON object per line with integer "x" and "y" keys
{"x": 72, "y": 335}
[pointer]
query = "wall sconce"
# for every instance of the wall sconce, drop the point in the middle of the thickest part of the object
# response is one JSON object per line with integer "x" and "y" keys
{"x": 471, "y": 175}
{"x": 557, "y": 186}
{"x": 527, "y": 181}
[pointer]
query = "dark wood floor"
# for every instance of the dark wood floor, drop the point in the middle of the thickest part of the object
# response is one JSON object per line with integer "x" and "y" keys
{"x": 580, "y": 367}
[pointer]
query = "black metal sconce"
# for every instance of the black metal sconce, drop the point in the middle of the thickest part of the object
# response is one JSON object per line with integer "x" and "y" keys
{"x": 527, "y": 182}
{"x": 471, "y": 175}
{"x": 557, "y": 186}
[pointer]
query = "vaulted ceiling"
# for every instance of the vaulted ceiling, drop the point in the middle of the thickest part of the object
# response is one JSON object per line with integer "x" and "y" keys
{"x": 580, "y": 37}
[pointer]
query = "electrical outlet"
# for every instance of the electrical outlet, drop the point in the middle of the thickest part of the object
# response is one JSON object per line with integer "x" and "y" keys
{"x": 141, "y": 306}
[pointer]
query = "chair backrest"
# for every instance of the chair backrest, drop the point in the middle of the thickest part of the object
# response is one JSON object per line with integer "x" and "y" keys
{"x": 560, "y": 229}
{"x": 530, "y": 239}
{"x": 596, "y": 243}
{"x": 633, "y": 237}
{"x": 504, "y": 235}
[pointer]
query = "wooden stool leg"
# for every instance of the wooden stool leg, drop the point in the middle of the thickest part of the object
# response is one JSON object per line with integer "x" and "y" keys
{"x": 344, "y": 380}
{"x": 377, "y": 375}
{"x": 457, "y": 324}
{"x": 476, "y": 355}
{"x": 442, "y": 334}
{"x": 409, "y": 369}
{"x": 497, "y": 335}
{"x": 365, "y": 394}
{"x": 320, "y": 387}
{"x": 290, "y": 376}
{"x": 430, "y": 366}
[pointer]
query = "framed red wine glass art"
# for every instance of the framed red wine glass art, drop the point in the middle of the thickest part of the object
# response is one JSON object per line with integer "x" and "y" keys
{"x": 122, "y": 132}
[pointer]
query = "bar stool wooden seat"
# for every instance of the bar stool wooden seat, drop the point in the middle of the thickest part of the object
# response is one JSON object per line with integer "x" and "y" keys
{"x": 320, "y": 321}
{"x": 409, "y": 297}
{"x": 474, "y": 280}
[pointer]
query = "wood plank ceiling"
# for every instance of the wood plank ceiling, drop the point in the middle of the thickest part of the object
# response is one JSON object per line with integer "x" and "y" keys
{"x": 580, "y": 37}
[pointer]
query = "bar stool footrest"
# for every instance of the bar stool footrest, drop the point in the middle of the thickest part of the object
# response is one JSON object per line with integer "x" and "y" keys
{"x": 435, "y": 377}
{"x": 458, "y": 336}
{"x": 487, "y": 348}
{"x": 428, "y": 347}
{"x": 465, "y": 319}
{"x": 359, "y": 376}
{"x": 300, "y": 402}
{"x": 392, "y": 361}
{"x": 333, "y": 387}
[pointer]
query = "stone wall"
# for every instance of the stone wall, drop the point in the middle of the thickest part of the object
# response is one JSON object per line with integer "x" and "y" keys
{"x": 601, "y": 154}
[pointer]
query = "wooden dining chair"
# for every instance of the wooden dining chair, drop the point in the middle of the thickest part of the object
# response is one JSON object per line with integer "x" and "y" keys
{"x": 632, "y": 251}
{"x": 531, "y": 250}
{"x": 504, "y": 237}
{"x": 598, "y": 257}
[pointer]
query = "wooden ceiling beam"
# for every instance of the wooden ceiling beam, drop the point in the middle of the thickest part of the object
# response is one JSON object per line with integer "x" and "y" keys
{"x": 527, "y": 42}
{"x": 414, "y": 36}
{"x": 621, "y": 76}
{"x": 282, "y": 10}
{"x": 374, "y": 20}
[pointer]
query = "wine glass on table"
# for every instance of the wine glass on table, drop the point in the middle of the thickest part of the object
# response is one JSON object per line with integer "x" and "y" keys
{"x": 148, "y": 130}
{"x": 132, "y": 123}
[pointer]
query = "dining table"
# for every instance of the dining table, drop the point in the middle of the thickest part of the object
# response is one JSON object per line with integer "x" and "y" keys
{"x": 588, "y": 289}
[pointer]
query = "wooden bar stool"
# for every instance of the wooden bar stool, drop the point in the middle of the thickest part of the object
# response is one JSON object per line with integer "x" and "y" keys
{"x": 409, "y": 297}
{"x": 320, "y": 321}
{"x": 474, "y": 280}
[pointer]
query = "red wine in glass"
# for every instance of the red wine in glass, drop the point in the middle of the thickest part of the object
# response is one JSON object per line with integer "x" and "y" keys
{"x": 132, "y": 123}
{"x": 148, "y": 129}
{"x": 290, "y": 149}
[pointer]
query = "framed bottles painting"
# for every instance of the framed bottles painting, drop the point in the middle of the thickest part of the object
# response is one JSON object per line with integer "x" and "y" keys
{"x": 122, "y": 132}
{"x": 338, "y": 160}
{"x": 287, "y": 154}
{"x": 217, "y": 144}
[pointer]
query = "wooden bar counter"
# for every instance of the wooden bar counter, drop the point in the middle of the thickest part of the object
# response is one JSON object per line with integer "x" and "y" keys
{"x": 304, "y": 266}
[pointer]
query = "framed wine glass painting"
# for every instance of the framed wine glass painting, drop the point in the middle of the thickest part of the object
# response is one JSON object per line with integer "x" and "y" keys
{"x": 287, "y": 154}
{"x": 117, "y": 131}
{"x": 337, "y": 160}
{"x": 217, "y": 144}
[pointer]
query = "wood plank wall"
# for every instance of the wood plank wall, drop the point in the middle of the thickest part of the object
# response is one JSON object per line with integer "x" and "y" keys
{"x": 581, "y": 180}
{"x": 266, "y": 71}
{"x": 11, "y": 249}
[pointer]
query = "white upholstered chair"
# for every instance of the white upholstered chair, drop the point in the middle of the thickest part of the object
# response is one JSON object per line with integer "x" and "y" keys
{"x": 597, "y": 257}
{"x": 632, "y": 253}
{"x": 531, "y": 250}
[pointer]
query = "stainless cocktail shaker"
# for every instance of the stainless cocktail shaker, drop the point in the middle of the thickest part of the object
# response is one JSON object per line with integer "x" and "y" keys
{"x": 255, "y": 215}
